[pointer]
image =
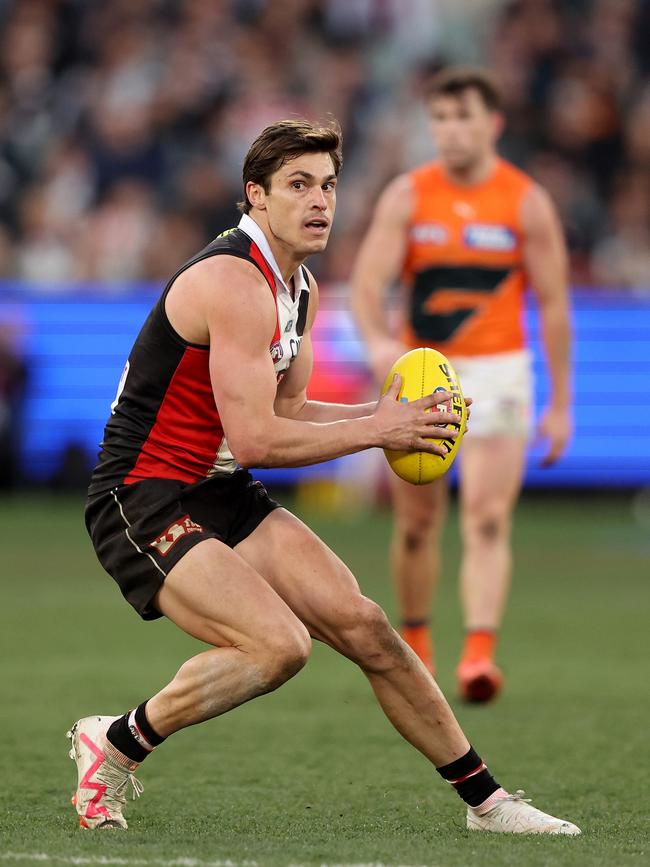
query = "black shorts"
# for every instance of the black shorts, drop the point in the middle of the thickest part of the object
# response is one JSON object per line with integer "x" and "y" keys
{"x": 141, "y": 531}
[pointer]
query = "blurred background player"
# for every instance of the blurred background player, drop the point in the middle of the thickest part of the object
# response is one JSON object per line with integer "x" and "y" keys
{"x": 466, "y": 234}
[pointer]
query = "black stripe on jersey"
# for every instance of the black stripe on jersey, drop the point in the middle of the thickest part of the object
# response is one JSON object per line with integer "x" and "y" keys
{"x": 156, "y": 355}
{"x": 135, "y": 413}
{"x": 438, "y": 327}
{"x": 303, "y": 305}
{"x": 459, "y": 277}
{"x": 232, "y": 242}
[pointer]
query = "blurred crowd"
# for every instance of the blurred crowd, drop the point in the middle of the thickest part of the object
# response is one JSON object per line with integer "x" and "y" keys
{"x": 123, "y": 124}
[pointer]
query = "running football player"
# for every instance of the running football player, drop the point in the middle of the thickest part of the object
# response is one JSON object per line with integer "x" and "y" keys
{"x": 216, "y": 383}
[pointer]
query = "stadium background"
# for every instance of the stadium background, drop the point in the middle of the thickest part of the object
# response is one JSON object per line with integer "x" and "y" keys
{"x": 122, "y": 129}
{"x": 124, "y": 125}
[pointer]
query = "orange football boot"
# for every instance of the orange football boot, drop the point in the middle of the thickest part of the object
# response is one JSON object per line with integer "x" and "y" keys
{"x": 479, "y": 678}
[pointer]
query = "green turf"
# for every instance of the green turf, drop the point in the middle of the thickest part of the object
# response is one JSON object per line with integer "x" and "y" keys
{"x": 313, "y": 774}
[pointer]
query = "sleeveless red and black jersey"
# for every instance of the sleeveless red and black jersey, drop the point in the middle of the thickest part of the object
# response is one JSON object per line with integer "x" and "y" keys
{"x": 164, "y": 421}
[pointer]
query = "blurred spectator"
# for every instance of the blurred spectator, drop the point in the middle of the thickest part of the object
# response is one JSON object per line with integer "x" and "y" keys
{"x": 118, "y": 234}
{"x": 574, "y": 79}
{"x": 623, "y": 257}
{"x": 13, "y": 378}
{"x": 46, "y": 250}
{"x": 123, "y": 125}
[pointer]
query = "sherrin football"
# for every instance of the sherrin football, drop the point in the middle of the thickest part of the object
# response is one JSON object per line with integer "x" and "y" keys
{"x": 425, "y": 371}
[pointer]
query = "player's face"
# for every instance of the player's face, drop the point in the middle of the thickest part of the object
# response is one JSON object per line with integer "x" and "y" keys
{"x": 464, "y": 129}
{"x": 301, "y": 202}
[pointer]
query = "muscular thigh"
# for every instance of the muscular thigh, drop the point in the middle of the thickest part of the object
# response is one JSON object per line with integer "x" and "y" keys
{"x": 316, "y": 585}
{"x": 419, "y": 505}
{"x": 215, "y": 595}
{"x": 491, "y": 471}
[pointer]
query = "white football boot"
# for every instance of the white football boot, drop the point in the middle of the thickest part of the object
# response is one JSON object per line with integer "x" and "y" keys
{"x": 103, "y": 775}
{"x": 514, "y": 814}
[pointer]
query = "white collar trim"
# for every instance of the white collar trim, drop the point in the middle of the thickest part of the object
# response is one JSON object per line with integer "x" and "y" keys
{"x": 254, "y": 231}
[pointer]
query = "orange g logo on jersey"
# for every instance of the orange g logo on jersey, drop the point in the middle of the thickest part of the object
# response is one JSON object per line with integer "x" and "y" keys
{"x": 445, "y": 297}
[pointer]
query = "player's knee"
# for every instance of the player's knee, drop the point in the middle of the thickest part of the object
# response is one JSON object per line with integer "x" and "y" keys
{"x": 488, "y": 524}
{"x": 283, "y": 654}
{"x": 371, "y": 640}
{"x": 416, "y": 529}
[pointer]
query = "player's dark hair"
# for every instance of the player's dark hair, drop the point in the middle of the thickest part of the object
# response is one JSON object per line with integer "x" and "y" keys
{"x": 283, "y": 141}
{"x": 455, "y": 80}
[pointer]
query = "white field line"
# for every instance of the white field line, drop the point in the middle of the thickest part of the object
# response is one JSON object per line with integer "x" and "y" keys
{"x": 44, "y": 858}
{"x": 106, "y": 861}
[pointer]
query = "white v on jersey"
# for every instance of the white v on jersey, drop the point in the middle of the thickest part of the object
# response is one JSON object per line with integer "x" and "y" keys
{"x": 291, "y": 306}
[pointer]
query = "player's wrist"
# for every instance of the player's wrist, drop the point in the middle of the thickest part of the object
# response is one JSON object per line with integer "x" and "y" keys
{"x": 378, "y": 342}
{"x": 560, "y": 405}
{"x": 370, "y": 435}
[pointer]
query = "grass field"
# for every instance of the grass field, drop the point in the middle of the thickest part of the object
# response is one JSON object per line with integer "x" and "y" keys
{"x": 313, "y": 774}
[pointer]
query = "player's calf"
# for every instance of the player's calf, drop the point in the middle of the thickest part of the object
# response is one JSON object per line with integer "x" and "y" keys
{"x": 219, "y": 680}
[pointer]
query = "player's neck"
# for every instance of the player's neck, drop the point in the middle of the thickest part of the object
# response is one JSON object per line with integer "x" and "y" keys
{"x": 287, "y": 260}
{"x": 285, "y": 256}
{"x": 473, "y": 175}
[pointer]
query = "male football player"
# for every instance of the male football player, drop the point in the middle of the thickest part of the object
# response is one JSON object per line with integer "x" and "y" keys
{"x": 465, "y": 235}
{"x": 215, "y": 383}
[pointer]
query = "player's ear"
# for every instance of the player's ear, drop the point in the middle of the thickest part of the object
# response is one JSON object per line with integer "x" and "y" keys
{"x": 256, "y": 195}
{"x": 498, "y": 124}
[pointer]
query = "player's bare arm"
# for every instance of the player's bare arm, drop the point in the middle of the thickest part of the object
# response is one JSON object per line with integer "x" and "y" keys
{"x": 545, "y": 258}
{"x": 291, "y": 398}
{"x": 377, "y": 266}
{"x": 239, "y": 327}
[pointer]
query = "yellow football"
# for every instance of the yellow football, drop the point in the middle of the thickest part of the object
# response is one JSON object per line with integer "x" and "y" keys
{"x": 425, "y": 371}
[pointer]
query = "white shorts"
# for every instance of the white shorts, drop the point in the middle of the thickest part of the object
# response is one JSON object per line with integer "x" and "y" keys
{"x": 502, "y": 389}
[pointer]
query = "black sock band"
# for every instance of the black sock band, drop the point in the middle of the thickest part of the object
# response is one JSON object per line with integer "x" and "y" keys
{"x": 470, "y": 777}
{"x": 120, "y": 736}
{"x": 414, "y": 624}
{"x": 133, "y": 735}
{"x": 145, "y": 727}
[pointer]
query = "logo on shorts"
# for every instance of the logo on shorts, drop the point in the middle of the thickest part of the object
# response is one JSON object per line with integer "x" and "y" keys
{"x": 277, "y": 352}
{"x": 166, "y": 541}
